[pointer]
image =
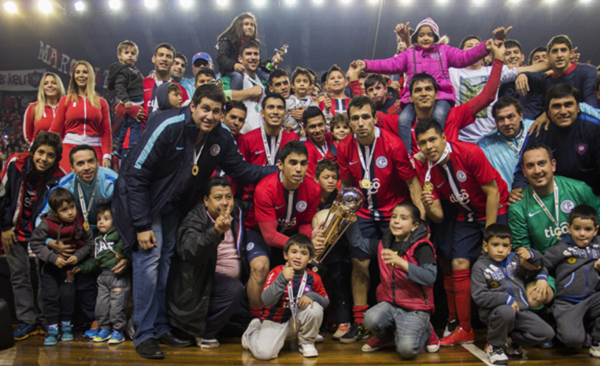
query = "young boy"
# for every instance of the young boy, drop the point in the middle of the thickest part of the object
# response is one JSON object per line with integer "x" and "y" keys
{"x": 498, "y": 288}
{"x": 408, "y": 270}
{"x": 294, "y": 300}
{"x": 336, "y": 84}
{"x": 60, "y": 225}
{"x": 114, "y": 283}
{"x": 128, "y": 82}
{"x": 168, "y": 96}
{"x": 340, "y": 128}
{"x": 576, "y": 265}
{"x": 297, "y": 103}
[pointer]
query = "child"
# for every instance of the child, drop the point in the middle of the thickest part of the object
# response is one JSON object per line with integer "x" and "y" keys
{"x": 407, "y": 266}
{"x": 426, "y": 55}
{"x": 498, "y": 288}
{"x": 576, "y": 265}
{"x": 168, "y": 96}
{"x": 114, "y": 289}
{"x": 340, "y": 128}
{"x": 128, "y": 81}
{"x": 62, "y": 225}
{"x": 297, "y": 103}
{"x": 336, "y": 85}
{"x": 284, "y": 315}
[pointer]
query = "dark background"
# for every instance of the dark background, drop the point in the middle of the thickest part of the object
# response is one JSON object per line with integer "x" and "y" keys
{"x": 318, "y": 36}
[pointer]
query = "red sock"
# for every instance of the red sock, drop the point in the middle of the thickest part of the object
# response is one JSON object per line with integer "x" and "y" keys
{"x": 359, "y": 313}
{"x": 449, "y": 287}
{"x": 256, "y": 312}
{"x": 462, "y": 297}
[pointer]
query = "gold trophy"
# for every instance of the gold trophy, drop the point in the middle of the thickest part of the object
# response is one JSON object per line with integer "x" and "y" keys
{"x": 277, "y": 58}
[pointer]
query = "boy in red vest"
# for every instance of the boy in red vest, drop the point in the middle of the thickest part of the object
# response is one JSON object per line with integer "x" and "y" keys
{"x": 57, "y": 278}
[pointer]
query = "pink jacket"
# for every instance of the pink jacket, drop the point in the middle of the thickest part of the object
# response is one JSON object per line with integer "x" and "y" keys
{"x": 418, "y": 60}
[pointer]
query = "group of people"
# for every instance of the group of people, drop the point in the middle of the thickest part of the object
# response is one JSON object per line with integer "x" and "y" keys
{"x": 221, "y": 201}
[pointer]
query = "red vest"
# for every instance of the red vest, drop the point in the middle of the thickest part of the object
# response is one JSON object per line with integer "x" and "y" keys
{"x": 68, "y": 233}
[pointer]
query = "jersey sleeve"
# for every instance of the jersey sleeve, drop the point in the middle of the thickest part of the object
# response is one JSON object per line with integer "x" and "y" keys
{"x": 518, "y": 225}
{"x": 28, "y": 123}
{"x": 264, "y": 204}
{"x": 402, "y": 162}
{"x": 105, "y": 130}
{"x": 343, "y": 160}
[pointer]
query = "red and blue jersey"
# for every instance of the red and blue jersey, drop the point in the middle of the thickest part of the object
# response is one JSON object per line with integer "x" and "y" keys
{"x": 316, "y": 154}
{"x": 337, "y": 106}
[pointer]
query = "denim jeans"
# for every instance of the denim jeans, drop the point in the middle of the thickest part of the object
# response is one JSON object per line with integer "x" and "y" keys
{"x": 135, "y": 128}
{"x": 150, "y": 272}
{"x": 411, "y": 327}
{"x": 407, "y": 119}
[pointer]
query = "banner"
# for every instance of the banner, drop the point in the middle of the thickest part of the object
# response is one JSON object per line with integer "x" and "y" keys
{"x": 64, "y": 63}
{"x": 21, "y": 80}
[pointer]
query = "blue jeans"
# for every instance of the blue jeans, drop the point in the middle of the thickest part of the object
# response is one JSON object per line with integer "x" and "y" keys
{"x": 134, "y": 126}
{"x": 411, "y": 327}
{"x": 150, "y": 272}
{"x": 408, "y": 115}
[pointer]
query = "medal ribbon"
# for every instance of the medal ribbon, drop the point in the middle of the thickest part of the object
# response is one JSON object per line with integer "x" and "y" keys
{"x": 546, "y": 211}
{"x": 323, "y": 150}
{"x": 197, "y": 155}
{"x": 270, "y": 156}
{"x": 521, "y": 142}
{"x": 366, "y": 164}
{"x": 430, "y": 165}
{"x": 84, "y": 206}
{"x": 293, "y": 301}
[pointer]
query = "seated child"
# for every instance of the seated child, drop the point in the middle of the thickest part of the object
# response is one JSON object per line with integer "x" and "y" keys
{"x": 294, "y": 300}
{"x": 57, "y": 278}
{"x": 498, "y": 288}
{"x": 405, "y": 296}
{"x": 114, "y": 285}
{"x": 576, "y": 265}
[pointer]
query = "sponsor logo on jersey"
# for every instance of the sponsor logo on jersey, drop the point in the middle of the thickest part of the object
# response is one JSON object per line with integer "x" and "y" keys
{"x": 553, "y": 231}
{"x": 375, "y": 185}
{"x": 463, "y": 197}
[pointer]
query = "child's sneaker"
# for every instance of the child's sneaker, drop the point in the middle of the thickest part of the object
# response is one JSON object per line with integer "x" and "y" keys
{"x": 207, "y": 343}
{"x": 52, "y": 336}
{"x": 94, "y": 329}
{"x": 355, "y": 333}
{"x": 433, "y": 343}
{"x": 595, "y": 348}
{"x": 115, "y": 338}
{"x": 24, "y": 331}
{"x": 66, "y": 333}
{"x": 103, "y": 335}
{"x": 373, "y": 344}
{"x": 308, "y": 350}
{"x": 497, "y": 355}
{"x": 459, "y": 336}
{"x": 450, "y": 327}
{"x": 512, "y": 348}
{"x": 319, "y": 339}
{"x": 254, "y": 324}
{"x": 342, "y": 329}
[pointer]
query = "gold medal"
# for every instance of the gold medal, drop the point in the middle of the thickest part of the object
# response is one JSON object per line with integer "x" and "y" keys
{"x": 86, "y": 226}
{"x": 428, "y": 187}
{"x": 195, "y": 170}
{"x": 302, "y": 133}
{"x": 365, "y": 183}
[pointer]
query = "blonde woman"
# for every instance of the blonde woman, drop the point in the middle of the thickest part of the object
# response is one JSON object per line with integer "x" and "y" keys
{"x": 82, "y": 117}
{"x": 40, "y": 115}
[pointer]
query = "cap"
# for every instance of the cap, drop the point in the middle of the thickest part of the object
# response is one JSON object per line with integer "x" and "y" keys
{"x": 202, "y": 55}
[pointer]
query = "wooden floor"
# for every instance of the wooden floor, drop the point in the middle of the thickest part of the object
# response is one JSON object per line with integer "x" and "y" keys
{"x": 84, "y": 352}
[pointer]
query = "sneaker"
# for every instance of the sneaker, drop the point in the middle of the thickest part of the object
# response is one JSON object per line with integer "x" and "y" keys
{"x": 512, "y": 348}
{"x": 355, "y": 333}
{"x": 94, "y": 329}
{"x": 595, "y": 349}
{"x": 450, "y": 327}
{"x": 24, "y": 331}
{"x": 308, "y": 350}
{"x": 66, "y": 333}
{"x": 373, "y": 344}
{"x": 103, "y": 335}
{"x": 319, "y": 339}
{"x": 254, "y": 324}
{"x": 52, "y": 337}
{"x": 459, "y": 336}
{"x": 433, "y": 343}
{"x": 207, "y": 343}
{"x": 497, "y": 355}
{"x": 115, "y": 338}
{"x": 341, "y": 330}
{"x": 547, "y": 345}
{"x": 42, "y": 329}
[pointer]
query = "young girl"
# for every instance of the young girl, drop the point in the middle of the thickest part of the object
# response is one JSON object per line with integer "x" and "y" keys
{"x": 408, "y": 270}
{"x": 426, "y": 55}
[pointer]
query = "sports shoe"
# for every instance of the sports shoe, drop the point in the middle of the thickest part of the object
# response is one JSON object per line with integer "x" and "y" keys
{"x": 547, "y": 345}
{"x": 496, "y": 355}
{"x": 42, "y": 329}
{"x": 373, "y": 344}
{"x": 103, "y": 335}
{"x": 94, "y": 329}
{"x": 459, "y": 336}
{"x": 207, "y": 343}
{"x": 254, "y": 324}
{"x": 341, "y": 330}
{"x": 308, "y": 350}
{"x": 53, "y": 336}
{"x": 319, "y": 339}
{"x": 115, "y": 338}
{"x": 512, "y": 348}
{"x": 595, "y": 349}
{"x": 433, "y": 343}
{"x": 355, "y": 333}
{"x": 24, "y": 331}
{"x": 66, "y": 333}
{"x": 450, "y": 327}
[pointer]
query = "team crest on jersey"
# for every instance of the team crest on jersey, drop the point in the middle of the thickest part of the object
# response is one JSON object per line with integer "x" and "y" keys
{"x": 249, "y": 246}
{"x": 215, "y": 150}
{"x": 581, "y": 148}
{"x": 381, "y": 162}
{"x": 567, "y": 206}
{"x": 301, "y": 206}
{"x": 461, "y": 176}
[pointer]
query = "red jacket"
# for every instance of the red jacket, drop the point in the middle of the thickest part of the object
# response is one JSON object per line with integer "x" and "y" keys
{"x": 31, "y": 127}
{"x": 67, "y": 233}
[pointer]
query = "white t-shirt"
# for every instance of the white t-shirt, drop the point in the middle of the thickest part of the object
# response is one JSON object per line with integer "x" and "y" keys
{"x": 253, "y": 118}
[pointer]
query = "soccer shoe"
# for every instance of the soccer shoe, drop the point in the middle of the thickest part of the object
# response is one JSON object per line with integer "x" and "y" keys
{"x": 24, "y": 331}
{"x": 433, "y": 343}
{"x": 341, "y": 330}
{"x": 373, "y": 344}
{"x": 512, "y": 348}
{"x": 66, "y": 333}
{"x": 459, "y": 336}
{"x": 52, "y": 337}
{"x": 103, "y": 335}
{"x": 450, "y": 327}
{"x": 355, "y": 333}
{"x": 115, "y": 338}
{"x": 496, "y": 355}
{"x": 308, "y": 350}
{"x": 207, "y": 343}
{"x": 254, "y": 324}
{"x": 94, "y": 329}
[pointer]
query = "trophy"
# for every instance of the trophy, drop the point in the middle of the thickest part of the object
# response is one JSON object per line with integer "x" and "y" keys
{"x": 277, "y": 58}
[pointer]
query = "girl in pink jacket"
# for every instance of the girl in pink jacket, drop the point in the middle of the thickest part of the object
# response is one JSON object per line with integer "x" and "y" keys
{"x": 426, "y": 56}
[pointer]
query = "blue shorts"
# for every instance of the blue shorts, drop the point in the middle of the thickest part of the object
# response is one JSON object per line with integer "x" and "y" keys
{"x": 256, "y": 246}
{"x": 364, "y": 242}
{"x": 442, "y": 234}
{"x": 468, "y": 238}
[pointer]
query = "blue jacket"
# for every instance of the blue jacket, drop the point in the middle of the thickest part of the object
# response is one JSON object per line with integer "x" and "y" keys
{"x": 188, "y": 85}
{"x": 154, "y": 167}
{"x": 502, "y": 157}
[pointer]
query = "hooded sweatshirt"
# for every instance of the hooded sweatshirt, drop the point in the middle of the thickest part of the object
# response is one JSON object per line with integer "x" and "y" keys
{"x": 162, "y": 97}
{"x": 106, "y": 246}
{"x": 127, "y": 81}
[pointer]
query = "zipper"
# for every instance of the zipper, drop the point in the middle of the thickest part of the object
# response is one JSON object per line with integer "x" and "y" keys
{"x": 393, "y": 286}
{"x": 425, "y": 297}
{"x": 84, "y": 114}
{"x": 587, "y": 280}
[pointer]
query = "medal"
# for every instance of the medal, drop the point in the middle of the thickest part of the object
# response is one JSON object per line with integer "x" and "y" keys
{"x": 195, "y": 169}
{"x": 86, "y": 226}
{"x": 293, "y": 301}
{"x": 366, "y": 160}
{"x": 302, "y": 133}
{"x": 271, "y": 151}
{"x": 428, "y": 187}
{"x": 85, "y": 208}
{"x": 365, "y": 183}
